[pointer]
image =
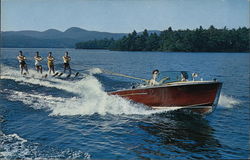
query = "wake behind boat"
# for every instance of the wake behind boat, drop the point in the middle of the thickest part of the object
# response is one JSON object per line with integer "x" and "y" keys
{"x": 177, "y": 90}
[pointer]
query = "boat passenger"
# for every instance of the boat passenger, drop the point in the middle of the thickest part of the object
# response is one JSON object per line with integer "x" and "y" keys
{"x": 153, "y": 81}
{"x": 38, "y": 65}
{"x": 22, "y": 64}
{"x": 66, "y": 60}
{"x": 184, "y": 76}
{"x": 51, "y": 60}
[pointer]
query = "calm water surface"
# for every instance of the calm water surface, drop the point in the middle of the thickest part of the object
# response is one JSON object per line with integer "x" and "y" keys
{"x": 75, "y": 118}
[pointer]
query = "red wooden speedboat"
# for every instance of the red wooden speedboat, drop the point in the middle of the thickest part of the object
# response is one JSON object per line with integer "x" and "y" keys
{"x": 199, "y": 96}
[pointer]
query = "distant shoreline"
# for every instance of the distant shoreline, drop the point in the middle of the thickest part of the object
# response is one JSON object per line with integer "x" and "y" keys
{"x": 197, "y": 40}
{"x": 20, "y": 48}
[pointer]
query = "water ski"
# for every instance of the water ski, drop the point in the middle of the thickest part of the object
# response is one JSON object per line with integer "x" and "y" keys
{"x": 55, "y": 74}
{"x": 24, "y": 74}
{"x": 45, "y": 76}
{"x": 59, "y": 75}
{"x": 77, "y": 73}
{"x": 68, "y": 76}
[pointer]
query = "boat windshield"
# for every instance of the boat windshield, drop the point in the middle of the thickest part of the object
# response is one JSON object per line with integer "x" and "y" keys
{"x": 174, "y": 76}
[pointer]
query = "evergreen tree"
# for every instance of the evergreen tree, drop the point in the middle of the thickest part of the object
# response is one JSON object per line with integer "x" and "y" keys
{"x": 198, "y": 40}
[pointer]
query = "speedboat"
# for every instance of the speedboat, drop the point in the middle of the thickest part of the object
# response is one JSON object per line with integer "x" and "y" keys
{"x": 177, "y": 89}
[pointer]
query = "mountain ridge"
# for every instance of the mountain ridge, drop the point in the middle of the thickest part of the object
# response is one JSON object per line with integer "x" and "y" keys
{"x": 52, "y": 38}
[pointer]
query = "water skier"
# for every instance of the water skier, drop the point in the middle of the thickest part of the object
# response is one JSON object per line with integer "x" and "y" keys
{"x": 51, "y": 60}
{"x": 155, "y": 74}
{"x": 38, "y": 65}
{"x": 66, "y": 60}
{"x": 22, "y": 64}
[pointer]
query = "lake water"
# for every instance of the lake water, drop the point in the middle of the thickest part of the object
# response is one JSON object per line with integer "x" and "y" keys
{"x": 75, "y": 118}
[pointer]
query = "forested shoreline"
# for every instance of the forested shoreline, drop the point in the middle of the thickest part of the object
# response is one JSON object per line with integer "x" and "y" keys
{"x": 197, "y": 40}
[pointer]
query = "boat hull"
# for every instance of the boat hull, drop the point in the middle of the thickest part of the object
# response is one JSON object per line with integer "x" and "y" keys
{"x": 200, "y": 97}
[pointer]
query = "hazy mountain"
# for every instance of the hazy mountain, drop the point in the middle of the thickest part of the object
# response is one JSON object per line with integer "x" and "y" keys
{"x": 53, "y": 38}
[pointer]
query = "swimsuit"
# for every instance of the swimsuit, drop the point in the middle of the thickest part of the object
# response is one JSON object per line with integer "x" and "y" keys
{"x": 66, "y": 65}
{"x": 66, "y": 61}
{"x": 50, "y": 63}
{"x": 21, "y": 61}
{"x": 37, "y": 62}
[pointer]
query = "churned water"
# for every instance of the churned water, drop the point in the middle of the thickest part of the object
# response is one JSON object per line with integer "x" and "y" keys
{"x": 76, "y": 118}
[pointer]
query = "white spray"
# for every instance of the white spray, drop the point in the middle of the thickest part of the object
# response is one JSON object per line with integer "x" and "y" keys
{"x": 90, "y": 97}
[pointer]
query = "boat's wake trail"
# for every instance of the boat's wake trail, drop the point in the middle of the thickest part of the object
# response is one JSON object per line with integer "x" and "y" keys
{"x": 89, "y": 98}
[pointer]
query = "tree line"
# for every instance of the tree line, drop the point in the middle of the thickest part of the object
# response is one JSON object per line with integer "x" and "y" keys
{"x": 197, "y": 40}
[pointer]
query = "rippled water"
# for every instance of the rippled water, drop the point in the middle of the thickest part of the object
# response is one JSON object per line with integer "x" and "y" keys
{"x": 76, "y": 118}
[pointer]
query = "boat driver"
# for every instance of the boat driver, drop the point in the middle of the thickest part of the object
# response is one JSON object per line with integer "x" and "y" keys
{"x": 153, "y": 81}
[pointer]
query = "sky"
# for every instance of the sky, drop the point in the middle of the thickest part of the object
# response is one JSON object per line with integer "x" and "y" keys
{"x": 122, "y": 16}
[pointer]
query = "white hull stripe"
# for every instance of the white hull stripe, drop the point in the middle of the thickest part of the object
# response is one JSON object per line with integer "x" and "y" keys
{"x": 180, "y": 107}
{"x": 132, "y": 94}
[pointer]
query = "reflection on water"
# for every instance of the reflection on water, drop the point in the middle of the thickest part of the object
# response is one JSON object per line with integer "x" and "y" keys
{"x": 179, "y": 133}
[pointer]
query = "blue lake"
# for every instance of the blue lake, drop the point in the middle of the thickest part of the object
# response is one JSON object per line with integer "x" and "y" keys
{"x": 76, "y": 118}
